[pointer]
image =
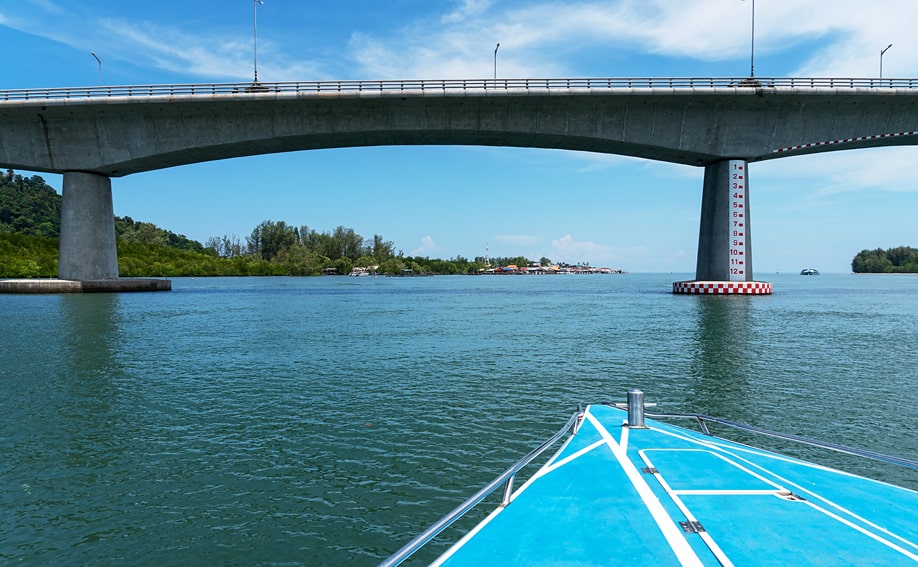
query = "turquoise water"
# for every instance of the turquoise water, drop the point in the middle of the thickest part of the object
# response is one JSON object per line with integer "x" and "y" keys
{"x": 320, "y": 421}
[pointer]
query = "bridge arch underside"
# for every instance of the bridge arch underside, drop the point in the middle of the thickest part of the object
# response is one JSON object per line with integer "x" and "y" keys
{"x": 91, "y": 141}
{"x": 121, "y": 136}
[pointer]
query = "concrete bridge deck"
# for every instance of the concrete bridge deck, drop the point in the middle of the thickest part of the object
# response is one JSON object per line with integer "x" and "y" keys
{"x": 116, "y": 131}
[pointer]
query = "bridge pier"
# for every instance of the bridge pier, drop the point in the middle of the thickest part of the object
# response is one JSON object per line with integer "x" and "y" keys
{"x": 87, "y": 248}
{"x": 88, "y": 255}
{"x": 724, "y": 265}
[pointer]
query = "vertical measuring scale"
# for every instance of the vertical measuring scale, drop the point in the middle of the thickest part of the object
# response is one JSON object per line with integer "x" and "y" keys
{"x": 724, "y": 264}
{"x": 738, "y": 220}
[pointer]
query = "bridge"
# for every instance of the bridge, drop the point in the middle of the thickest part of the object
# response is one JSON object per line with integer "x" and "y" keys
{"x": 93, "y": 134}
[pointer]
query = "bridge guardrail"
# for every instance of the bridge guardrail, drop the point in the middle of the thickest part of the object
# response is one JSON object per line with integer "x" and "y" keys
{"x": 450, "y": 85}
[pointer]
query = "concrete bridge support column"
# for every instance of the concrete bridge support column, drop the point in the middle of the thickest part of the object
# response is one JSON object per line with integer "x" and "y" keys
{"x": 87, "y": 249}
{"x": 724, "y": 265}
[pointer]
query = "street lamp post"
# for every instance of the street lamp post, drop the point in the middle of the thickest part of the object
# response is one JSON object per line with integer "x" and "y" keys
{"x": 752, "y": 46}
{"x": 495, "y": 61}
{"x": 255, "y": 4}
{"x": 882, "y": 51}
{"x": 93, "y": 53}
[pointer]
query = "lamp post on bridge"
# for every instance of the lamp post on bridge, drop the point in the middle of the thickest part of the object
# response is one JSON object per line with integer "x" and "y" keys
{"x": 255, "y": 4}
{"x": 752, "y": 47}
{"x": 882, "y": 51}
{"x": 93, "y": 53}
{"x": 495, "y": 60}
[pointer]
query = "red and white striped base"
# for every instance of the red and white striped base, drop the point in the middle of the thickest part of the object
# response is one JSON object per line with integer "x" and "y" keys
{"x": 723, "y": 288}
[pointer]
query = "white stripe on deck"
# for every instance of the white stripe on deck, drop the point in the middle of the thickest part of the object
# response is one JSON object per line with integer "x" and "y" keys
{"x": 811, "y": 501}
{"x": 705, "y": 536}
{"x": 787, "y": 483}
{"x": 677, "y": 542}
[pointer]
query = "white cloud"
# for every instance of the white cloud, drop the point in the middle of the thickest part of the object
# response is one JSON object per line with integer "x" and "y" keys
{"x": 175, "y": 50}
{"x": 47, "y": 6}
{"x": 568, "y": 250}
{"x": 427, "y": 247}
{"x": 198, "y": 52}
{"x": 825, "y": 175}
{"x": 211, "y": 56}
{"x": 537, "y": 39}
{"x": 545, "y": 39}
{"x": 466, "y": 9}
{"x": 600, "y": 162}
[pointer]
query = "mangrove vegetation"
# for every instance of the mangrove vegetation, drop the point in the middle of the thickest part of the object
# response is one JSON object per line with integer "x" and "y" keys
{"x": 30, "y": 230}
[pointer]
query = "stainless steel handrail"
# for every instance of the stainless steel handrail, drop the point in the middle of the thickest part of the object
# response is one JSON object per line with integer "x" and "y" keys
{"x": 866, "y": 453}
{"x": 506, "y": 478}
{"x": 452, "y": 85}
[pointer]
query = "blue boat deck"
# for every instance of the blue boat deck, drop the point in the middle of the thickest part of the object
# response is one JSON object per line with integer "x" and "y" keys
{"x": 664, "y": 495}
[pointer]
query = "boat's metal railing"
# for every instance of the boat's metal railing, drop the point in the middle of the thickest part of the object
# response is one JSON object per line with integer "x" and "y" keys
{"x": 703, "y": 420}
{"x": 453, "y": 85}
{"x": 505, "y": 479}
{"x": 636, "y": 413}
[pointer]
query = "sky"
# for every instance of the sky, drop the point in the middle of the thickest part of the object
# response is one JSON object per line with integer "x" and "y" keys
{"x": 448, "y": 201}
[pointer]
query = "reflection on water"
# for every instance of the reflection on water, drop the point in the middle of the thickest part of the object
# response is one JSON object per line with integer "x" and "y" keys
{"x": 722, "y": 343}
{"x": 91, "y": 324}
{"x": 88, "y": 370}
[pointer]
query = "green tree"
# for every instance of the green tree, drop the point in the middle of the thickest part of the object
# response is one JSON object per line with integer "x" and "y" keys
{"x": 226, "y": 246}
{"x": 343, "y": 265}
{"x": 366, "y": 262}
{"x": 391, "y": 266}
{"x": 382, "y": 249}
{"x": 901, "y": 259}
{"x": 129, "y": 230}
{"x": 29, "y": 206}
{"x": 269, "y": 238}
{"x": 300, "y": 261}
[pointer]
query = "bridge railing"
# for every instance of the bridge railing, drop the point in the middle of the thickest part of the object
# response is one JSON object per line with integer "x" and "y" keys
{"x": 452, "y": 85}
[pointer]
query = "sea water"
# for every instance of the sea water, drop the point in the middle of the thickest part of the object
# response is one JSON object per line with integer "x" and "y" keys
{"x": 326, "y": 421}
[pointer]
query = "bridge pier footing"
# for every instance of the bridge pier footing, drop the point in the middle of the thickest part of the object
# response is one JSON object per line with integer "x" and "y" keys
{"x": 724, "y": 265}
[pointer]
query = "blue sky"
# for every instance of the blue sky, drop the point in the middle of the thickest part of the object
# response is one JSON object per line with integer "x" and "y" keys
{"x": 612, "y": 211}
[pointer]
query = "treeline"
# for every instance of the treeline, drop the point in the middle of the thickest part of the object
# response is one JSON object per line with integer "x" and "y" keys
{"x": 128, "y": 231}
{"x": 30, "y": 230}
{"x": 302, "y": 251}
{"x": 899, "y": 260}
{"x": 29, "y": 256}
{"x": 29, "y": 206}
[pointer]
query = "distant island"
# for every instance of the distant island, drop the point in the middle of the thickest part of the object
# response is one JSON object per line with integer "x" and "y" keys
{"x": 30, "y": 223}
{"x": 899, "y": 260}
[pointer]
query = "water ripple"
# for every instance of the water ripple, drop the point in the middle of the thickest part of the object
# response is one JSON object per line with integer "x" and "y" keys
{"x": 287, "y": 421}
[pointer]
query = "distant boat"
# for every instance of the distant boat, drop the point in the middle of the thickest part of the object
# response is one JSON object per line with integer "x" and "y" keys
{"x": 623, "y": 490}
{"x": 364, "y": 272}
{"x": 809, "y": 272}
